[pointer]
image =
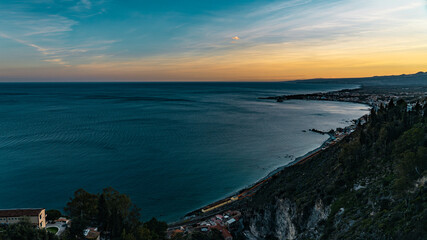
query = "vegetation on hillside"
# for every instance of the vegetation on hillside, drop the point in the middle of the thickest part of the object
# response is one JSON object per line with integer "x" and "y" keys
{"x": 211, "y": 235}
{"x": 24, "y": 231}
{"x": 52, "y": 214}
{"x": 372, "y": 181}
{"x": 113, "y": 213}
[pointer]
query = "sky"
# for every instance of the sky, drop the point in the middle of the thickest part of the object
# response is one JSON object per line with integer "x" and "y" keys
{"x": 210, "y": 40}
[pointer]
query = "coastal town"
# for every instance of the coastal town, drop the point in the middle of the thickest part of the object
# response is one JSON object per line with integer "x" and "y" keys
{"x": 375, "y": 97}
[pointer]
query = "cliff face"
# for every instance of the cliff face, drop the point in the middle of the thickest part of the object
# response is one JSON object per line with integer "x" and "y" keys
{"x": 283, "y": 221}
{"x": 372, "y": 185}
{"x": 277, "y": 219}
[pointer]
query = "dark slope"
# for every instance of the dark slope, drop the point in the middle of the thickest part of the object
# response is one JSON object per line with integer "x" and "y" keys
{"x": 369, "y": 186}
{"x": 405, "y": 80}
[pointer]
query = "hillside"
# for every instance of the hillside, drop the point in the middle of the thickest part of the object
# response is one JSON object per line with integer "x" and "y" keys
{"x": 417, "y": 79}
{"x": 369, "y": 186}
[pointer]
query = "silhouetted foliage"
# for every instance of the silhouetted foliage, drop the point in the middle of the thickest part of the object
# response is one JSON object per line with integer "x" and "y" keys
{"x": 24, "y": 231}
{"x": 52, "y": 214}
{"x": 212, "y": 235}
{"x": 83, "y": 204}
{"x": 114, "y": 214}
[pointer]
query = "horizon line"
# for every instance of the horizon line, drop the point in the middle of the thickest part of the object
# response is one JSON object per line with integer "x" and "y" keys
{"x": 217, "y": 81}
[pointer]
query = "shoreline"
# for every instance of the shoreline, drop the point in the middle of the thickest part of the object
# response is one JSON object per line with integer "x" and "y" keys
{"x": 191, "y": 216}
{"x": 226, "y": 203}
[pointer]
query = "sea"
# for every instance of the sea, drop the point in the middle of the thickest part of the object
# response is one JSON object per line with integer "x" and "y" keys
{"x": 172, "y": 147}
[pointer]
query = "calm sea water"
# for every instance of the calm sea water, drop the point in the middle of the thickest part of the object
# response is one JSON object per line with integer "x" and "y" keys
{"x": 172, "y": 147}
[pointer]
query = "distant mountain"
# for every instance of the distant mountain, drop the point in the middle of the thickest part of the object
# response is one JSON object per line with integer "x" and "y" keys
{"x": 417, "y": 79}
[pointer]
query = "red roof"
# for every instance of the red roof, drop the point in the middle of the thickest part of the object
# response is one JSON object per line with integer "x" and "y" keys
{"x": 20, "y": 212}
{"x": 93, "y": 234}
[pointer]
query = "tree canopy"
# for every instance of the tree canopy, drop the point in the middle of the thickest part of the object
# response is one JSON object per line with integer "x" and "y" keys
{"x": 114, "y": 214}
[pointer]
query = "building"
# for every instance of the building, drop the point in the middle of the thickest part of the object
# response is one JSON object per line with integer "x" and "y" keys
{"x": 62, "y": 220}
{"x": 92, "y": 234}
{"x": 231, "y": 221}
{"x": 36, "y": 216}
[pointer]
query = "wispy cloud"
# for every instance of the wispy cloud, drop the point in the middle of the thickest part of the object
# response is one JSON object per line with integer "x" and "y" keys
{"x": 57, "y": 61}
{"x": 42, "y": 50}
{"x": 277, "y": 6}
{"x": 88, "y": 8}
{"x": 50, "y": 54}
{"x": 302, "y": 21}
{"x": 48, "y": 33}
{"x": 82, "y": 5}
{"x": 20, "y": 23}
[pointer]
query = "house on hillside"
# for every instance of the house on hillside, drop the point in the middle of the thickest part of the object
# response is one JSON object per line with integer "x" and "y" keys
{"x": 62, "y": 220}
{"x": 92, "y": 233}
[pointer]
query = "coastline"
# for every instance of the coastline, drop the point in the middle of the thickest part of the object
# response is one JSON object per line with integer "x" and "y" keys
{"x": 344, "y": 95}
{"x": 191, "y": 216}
{"x": 297, "y": 160}
{"x": 230, "y": 201}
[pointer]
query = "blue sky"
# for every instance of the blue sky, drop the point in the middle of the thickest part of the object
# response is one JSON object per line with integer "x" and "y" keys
{"x": 222, "y": 40}
{"x": 103, "y": 27}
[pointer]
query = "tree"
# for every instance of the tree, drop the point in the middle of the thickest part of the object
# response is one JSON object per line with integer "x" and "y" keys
{"x": 84, "y": 205}
{"x": 78, "y": 225}
{"x": 410, "y": 156}
{"x": 117, "y": 212}
{"x": 157, "y": 228}
{"x": 143, "y": 233}
{"x": 53, "y": 214}
{"x": 114, "y": 214}
{"x": 391, "y": 104}
{"x": 103, "y": 213}
{"x": 25, "y": 231}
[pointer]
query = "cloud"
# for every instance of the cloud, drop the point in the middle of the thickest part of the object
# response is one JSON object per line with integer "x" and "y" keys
{"x": 57, "y": 61}
{"x": 86, "y": 3}
{"x": 309, "y": 22}
{"x": 235, "y": 38}
{"x": 49, "y": 34}
{"x": 277, "y": 6}
{"x": 22, "y": 24}
{"x": 42, "y": 50}
{"x": 56, "y": 55}
{"x": 88, "y": 8}
{"x": 82, "y": 5}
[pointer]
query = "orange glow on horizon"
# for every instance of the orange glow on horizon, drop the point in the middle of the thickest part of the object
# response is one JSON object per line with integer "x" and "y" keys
{"x": 356, "y": 38}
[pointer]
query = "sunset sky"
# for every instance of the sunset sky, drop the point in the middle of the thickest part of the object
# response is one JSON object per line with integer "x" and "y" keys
{"x": 210, "y": 40}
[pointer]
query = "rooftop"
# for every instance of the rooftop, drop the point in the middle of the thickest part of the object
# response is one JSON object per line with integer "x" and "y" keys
{"x": 20, "y": 212}
{"x": 91, "y": 233}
